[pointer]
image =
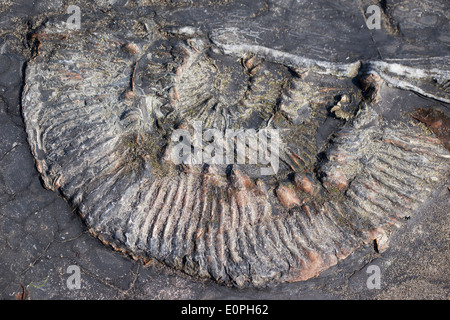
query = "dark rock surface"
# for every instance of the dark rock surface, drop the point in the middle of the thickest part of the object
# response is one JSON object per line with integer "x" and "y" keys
{"x": 41, "y": 236}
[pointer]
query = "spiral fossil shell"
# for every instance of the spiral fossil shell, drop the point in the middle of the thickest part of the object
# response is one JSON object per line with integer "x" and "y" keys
{"x": 99, "y": 111}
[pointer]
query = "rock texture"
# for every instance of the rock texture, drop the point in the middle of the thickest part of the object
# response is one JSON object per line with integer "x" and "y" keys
{"x": 100, "y": 105}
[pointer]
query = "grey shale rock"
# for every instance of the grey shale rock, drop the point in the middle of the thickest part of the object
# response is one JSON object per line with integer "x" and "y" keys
{"x": 100, "y": 105}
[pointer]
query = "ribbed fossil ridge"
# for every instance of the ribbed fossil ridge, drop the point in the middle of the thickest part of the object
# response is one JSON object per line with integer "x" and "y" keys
{"x": 99, "y": 113}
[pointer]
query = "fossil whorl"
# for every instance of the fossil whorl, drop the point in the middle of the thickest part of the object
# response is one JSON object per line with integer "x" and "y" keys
{"x": 99, "y": 112}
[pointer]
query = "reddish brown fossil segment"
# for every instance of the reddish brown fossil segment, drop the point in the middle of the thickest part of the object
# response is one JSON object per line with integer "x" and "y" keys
{"x": 437, "y": 121}
{"x": 303, "y": 183}
{"x": 132, "y": 48}
{"x": 287, "y": 197}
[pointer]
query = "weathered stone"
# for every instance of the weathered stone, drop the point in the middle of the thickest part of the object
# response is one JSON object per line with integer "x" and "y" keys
{"x": 99, "y": 118}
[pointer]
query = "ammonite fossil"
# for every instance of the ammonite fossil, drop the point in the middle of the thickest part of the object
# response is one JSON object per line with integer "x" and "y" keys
{"x": 101, "y": 104}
